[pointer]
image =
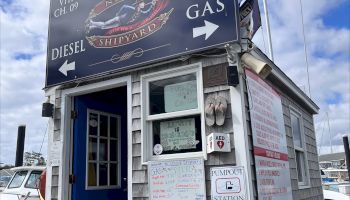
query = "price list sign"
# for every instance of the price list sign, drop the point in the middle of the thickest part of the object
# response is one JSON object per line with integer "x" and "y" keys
{"x": 269, "y": 140}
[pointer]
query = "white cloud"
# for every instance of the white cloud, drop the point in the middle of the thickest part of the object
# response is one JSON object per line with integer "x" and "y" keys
{"x": 23, "y": 35}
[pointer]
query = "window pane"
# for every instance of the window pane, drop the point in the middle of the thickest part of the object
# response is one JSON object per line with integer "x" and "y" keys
{"x": 92, "y": 148}
{"x": 103, "y": 126}
{"x": 178, "y": 135}
{"x": 114, "y": 127}
{"x": 103, "y": 149}
{"x": 296, "y": 131}
{"x": 92, "y": 175}
{"x": 113, "y": 174}
{"x": 93, "y": 124}
{"x": 300, "y": 165}
{"x": 103, "y": 174}
{"x": 173, "y": 94}
{"x": 114, "y": 150}
{"x": 33, "y": 180}
{"x": 18, "y": 179}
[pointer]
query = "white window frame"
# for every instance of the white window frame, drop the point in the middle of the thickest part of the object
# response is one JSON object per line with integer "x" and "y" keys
{"x": 305, "y": 171}
{"x": 146, "y": 121}
{"x": 108, "y": 162}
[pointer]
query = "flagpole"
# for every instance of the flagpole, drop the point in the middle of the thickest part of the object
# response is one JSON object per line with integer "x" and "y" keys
{"x": 268, "y": 29}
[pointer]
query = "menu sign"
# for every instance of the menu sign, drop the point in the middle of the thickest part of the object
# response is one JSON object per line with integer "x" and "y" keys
{"x": 178, "y": 134}
{"x": 269, "y": 140}
{"x": 177, "y": 179}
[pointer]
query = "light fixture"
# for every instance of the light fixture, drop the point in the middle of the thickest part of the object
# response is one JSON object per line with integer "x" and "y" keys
{"x": 258, "y": 66}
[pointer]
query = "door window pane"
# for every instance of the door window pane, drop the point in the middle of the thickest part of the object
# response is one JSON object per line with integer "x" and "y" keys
{"x": 296, "y": 131}
{"x": 92, "y": 175}
{"x": 114, "y": 150}
{"x": 103, "y": 149}
{"x": 93, "y": 124}
{"x": 92, "y": 148}
{"x": 114, "y": 126}
{"x": 103, "y": 126}
{"x": 173, "y": 94}
{"x": 113, "y": 174}
{"x": 103, "y": 174}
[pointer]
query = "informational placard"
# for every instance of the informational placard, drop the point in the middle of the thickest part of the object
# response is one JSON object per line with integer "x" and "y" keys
{"x": 180, "y": 96}
{"x": 269, "y": 140}
{"x": 177, "y": 180}
{"x": 228, "y": 183}
{"x": 98, "y": 37}
{"x": 178, "y": 134}
{"x": 219, "y": 142}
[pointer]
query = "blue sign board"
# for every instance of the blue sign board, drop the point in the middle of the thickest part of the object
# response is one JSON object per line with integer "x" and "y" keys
{"x": 97, "y": 37}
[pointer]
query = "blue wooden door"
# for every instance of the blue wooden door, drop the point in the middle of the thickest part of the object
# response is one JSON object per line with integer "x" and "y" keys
{"x": 100, "y": 146}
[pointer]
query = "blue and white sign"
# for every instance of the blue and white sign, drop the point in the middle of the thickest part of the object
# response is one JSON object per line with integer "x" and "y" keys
{"x": 98, "y": 37}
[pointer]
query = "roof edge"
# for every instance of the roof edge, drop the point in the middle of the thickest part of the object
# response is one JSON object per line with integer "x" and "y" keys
{"x": 284, "y": 79}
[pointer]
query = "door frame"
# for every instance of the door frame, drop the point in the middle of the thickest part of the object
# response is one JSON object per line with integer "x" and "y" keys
{"x": 67, "y": 104}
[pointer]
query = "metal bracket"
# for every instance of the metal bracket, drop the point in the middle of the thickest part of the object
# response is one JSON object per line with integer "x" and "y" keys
{"x": 232, "y": 51}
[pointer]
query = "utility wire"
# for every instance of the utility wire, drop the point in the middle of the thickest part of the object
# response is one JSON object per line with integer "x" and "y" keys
{"x": 305, "y": 50}
{"x": 47, "y": 125}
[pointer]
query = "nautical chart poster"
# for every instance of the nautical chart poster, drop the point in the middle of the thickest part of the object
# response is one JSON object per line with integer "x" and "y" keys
{"x": 269, "y": 140}
{"x": 97, "y": 37}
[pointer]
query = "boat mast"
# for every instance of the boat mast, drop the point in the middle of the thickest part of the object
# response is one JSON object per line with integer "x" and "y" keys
{"x": 329, "y": 132}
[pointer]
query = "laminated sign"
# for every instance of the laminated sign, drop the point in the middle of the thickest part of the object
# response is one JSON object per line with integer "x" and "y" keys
{"x": 269, "y": 140}
{"x": 227, "y": 183}
{"x": 178, "y": 134}
{"x": 176, "y": 179}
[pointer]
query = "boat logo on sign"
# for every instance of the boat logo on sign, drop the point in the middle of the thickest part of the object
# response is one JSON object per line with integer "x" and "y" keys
{"x": 116, "y": 23}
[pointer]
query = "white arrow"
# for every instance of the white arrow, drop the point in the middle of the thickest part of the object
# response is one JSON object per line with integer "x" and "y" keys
{"x": 67, "y": 67}
{"x": 208, "y": 29}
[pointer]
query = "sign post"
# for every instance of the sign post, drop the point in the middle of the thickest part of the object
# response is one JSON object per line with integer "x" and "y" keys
{"x": 98, "y": 37}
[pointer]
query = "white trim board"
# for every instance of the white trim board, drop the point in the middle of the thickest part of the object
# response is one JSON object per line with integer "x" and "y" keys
{"x": 66, "y": 127}
{"x": 145, "y": 79}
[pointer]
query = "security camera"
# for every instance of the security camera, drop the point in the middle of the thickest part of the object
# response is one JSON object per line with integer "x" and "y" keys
{"x": 258, "y": 66}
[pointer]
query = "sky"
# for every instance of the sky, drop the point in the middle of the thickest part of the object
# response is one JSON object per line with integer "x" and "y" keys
{"x": 23, "y": 43}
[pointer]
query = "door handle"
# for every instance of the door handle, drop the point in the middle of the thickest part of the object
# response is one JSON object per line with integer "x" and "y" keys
{"x": 125, "y": 179}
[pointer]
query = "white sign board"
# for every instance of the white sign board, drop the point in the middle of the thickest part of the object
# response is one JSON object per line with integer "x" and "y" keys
{"x": 269, "y": 140}
{"x": 228, "y": 183}
{"x": 178, "y": 134}
{"x": 219, "y": 142}
{"x": 177, "y": 179}
{"x": 180, "y": 96}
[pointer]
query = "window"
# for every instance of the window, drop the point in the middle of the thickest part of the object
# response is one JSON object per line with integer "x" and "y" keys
{"x": 172, "y": 114}
{"x": 300, "y": 148}
{"x": 103, "y": 142}
{"x": 18, "y": 179}
{"x": 33, "y": 180}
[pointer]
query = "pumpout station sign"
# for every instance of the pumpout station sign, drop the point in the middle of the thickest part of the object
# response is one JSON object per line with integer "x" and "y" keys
{"x": 97, "y": 37}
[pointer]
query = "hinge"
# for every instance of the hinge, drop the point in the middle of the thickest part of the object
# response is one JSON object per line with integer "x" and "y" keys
{"x": 71, "y": 179}
{"x": 73, "y": 114}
